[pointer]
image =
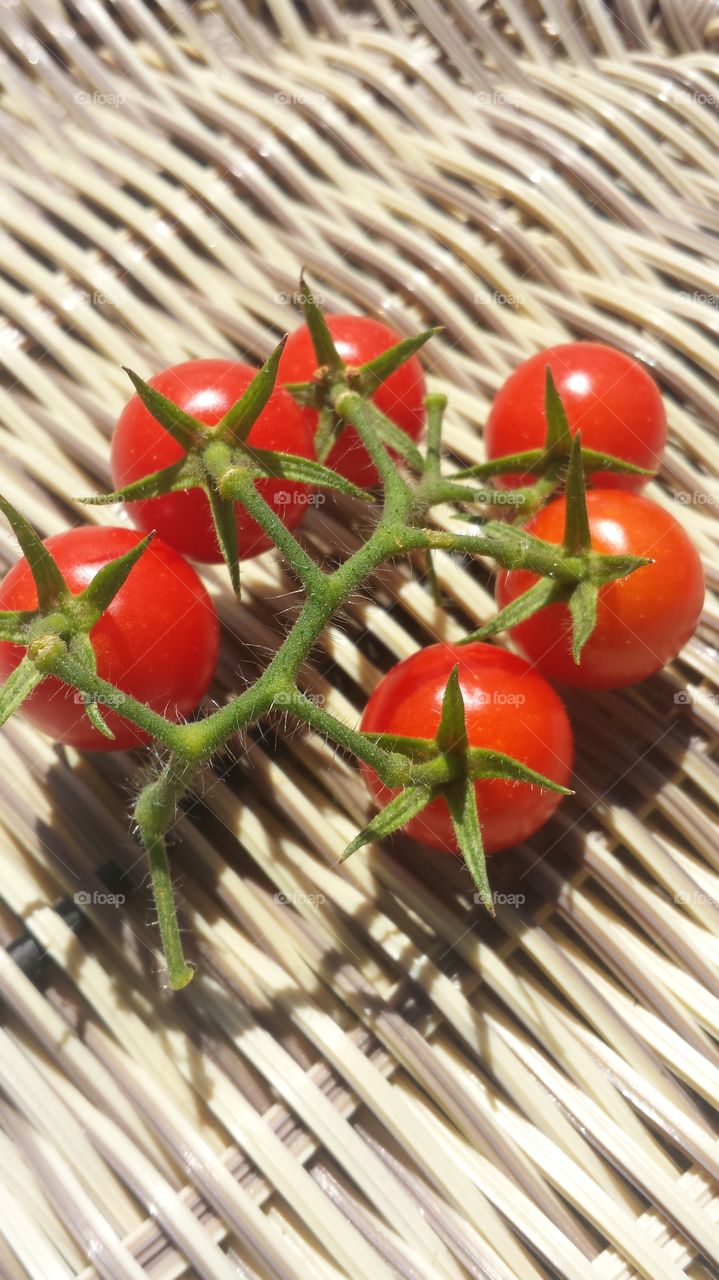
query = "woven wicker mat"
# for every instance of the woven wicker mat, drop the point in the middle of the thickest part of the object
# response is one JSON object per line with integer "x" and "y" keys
{"x": 368, "y": 1078}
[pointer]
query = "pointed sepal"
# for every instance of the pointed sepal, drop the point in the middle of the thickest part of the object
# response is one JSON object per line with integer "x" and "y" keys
{"x": 183, "y": 428}
{"x": 98, "y": 594}
{"x": 545, "y": 591}
{"x": 482, "y": 762}
{"x": 328, "y": 429}
{"x": 235, "y": 427}
{"x": 81, "y": 649}
{"x": 400, "y": 810}
{"x": 558, "y": 439}
{"x": 290, "y": 466}
{"x": 322, "y": 340}
{"x": 369, "y": 376}
{"x": 18, "y": 686}
{"x": 452, "y": 732}
{"x": 49, "y": 582}
{"x": 186, "y": 473}
{"x": 583, "y": 610}
{"x": 593, "y": 460}
{"x": 461, "y": 798}
{"x": 577, "y": 536}
{"x": 225, "y": 522}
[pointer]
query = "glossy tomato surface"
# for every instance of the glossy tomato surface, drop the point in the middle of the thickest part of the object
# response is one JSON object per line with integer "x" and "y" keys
{"x": 607, "y": 396}
{"x": 400, "y": 397}
{"x": 509, "y": 707}
{"x": 157, "y": 641}
{"x": 207, "y": 389}
{"x": 643, "y": 620}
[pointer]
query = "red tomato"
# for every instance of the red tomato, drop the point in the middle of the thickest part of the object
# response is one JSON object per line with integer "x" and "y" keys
{"x": 401, "y": 397}
{"x": 509, "y": 707}
{"x": 643, "y": 621}
{"x": 607, "y": 396}
{"x": 158, "y": 640}
{"x": 207, "y": 389}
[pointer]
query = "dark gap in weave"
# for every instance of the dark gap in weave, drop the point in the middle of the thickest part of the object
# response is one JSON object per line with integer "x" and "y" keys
{"x": 100, "y": 210}
{"x": 32, "y": 250}
{"x": 128, "y": 188}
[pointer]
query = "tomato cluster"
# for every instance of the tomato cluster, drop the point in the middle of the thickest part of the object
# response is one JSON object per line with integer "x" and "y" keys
{"x": 645, "y": 619}
{"x": 158, "y": 639}
{"x": 642, "y": 622}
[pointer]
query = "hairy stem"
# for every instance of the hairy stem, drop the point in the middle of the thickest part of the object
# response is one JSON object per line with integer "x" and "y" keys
{"x": 154, "y": 811}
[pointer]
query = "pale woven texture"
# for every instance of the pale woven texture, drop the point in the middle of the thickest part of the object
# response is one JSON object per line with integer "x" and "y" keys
{"x": 368, "y": 1078}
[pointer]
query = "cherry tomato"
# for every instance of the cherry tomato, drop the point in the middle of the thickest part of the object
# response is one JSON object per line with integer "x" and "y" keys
{"x": 401, "y": 397}
{"x": 607, "y": 396}
{"x": 509, "y": 707}
{"x": 643, "y": 620}
{"x": 207, "y": 389}
{"x": 158, "y": 640}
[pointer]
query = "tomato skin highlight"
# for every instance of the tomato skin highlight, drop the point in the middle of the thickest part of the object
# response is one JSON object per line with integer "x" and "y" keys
{"x": 643, "y": 620}
{"x": 509, "y": 707}
{"x": 400, "y": 397}
{"x": 207, "y": 389}
{"x": 158, "y": 640}
{"x": 607, "y": 396}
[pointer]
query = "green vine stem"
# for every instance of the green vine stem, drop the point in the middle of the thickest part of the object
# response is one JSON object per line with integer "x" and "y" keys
{"x": 231, "y": 469}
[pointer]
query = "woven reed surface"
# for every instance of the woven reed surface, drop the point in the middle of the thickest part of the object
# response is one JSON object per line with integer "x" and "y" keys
{"x": 368, "y": 1078}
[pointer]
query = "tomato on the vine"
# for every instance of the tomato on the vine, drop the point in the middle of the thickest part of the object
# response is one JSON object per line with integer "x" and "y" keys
{"x": 607, "y": 396}
{"x": 206, "y": 389}
{"x": 509, "y": 707}
{"x": 400, "y": 397}
{"x": 158, "y": 640}
{"x": 643, "y": 620}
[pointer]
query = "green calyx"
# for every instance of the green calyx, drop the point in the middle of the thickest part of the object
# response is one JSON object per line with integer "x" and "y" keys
{"x": 447, "y": 766}
{"x": 548, "y": 464}
{"x": 214, "y": 458}
{"x": 58, "y": 629}
{"x": 333, "y": 377}
{"x": 578, "y": 575}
